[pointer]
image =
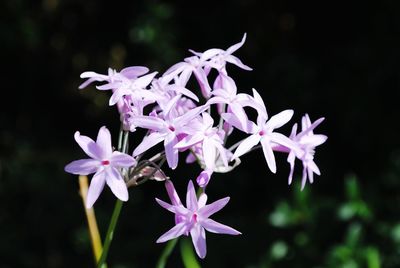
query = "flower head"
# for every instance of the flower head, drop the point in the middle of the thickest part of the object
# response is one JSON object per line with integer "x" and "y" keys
{"x": 104, "y": 163}
{"x": 306, "y": 142}
{"x": 194, "y": 218}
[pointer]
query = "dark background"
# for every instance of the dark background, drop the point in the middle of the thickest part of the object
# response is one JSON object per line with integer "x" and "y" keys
{"x": 330, "y": 59}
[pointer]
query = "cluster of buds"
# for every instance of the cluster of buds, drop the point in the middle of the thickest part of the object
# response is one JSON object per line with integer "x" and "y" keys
{"x": 184, "y": 121}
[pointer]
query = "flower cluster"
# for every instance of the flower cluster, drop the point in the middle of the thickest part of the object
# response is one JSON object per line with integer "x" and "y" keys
{"x": 196, "y": 123}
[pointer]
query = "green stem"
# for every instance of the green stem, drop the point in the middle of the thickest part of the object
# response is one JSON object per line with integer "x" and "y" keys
{"x": 110, "y": 233}
{"x": 162, "y": 261}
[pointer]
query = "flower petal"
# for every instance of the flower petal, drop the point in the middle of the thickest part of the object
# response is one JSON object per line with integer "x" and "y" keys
{"x": 212, "y": 208}
{"x": 191, "y": 199}
{"x": 174, "y": 232}
{"x": 173, "y": 195}
{"x": 180, "y": 210}
{"x": 218, "y": 228}
{"x": 104, "y": 142}
{"x": 88, "y": 145}
{"x": 171, "y": 152}
{"x": 209, "y": 153}
{"x": 83, "y": 166}
{"x": 246, "y": 145}
{"x": 236, "y": 46}
{"x": 269, "y": 154}
{"x": 134, "y": 71}
{"x": 199, "y": 240}
{"x": 280, "y": 119}
{"x": 149, "y": 122}
{"x": 95, "y": 188}
{"x": 119, "y": 159}
{"x": 117, "y": 184}
{"x": 148, "y": 142}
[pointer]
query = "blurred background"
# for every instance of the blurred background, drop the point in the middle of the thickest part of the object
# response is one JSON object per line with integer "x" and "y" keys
{"x": 334, "y": 60}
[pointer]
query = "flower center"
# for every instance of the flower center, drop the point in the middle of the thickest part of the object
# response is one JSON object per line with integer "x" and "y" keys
{"x": 194, "y": 217}
{"x": 105, "y": 162}
{"x": 261, "y": 133}
{"x": 171, "y": 128}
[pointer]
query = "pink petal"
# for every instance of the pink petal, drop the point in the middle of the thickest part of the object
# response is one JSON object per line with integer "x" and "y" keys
{"x": 83, "y": 166}
{"x": 218, "y": 228}
{"x": 134, "y": 71}
{"x": 212, "y": 208}
{"x": 184, "y": 91}
{"x": 283, "y": 140}
{"x": 199, "y": 240}
{"x": 191, "y": 199}
{"x": 209, "y": 153}
{"x": 117, "y": 184}
{"x": 171, "y": 152}
{"x": 208, "y": 54}
{"x": 246, "y": 145}
{"x": 239, "y": 112}
{"x": 280, "y": 119}
{"x": 312, "y": 166}
{"x": 291, "y": 159}
{"x": 174, "y": 232}
{"x": 202, "y": 200}
{"x": 173, "y": 195}
{"x": 104, "y": 142}
{"x": 119, "y": 159}
{"x": 95, "y": 188}
{"x": 172, "y": 208}
{"x": 117, "y": 95}
{"x": 149, "y": 141}
{"x": 236, "y": 61}
{"x": 149, "y": 122}
{"x": 144, "y": 81}
{"x": 88, "y": 145}
{"x": 235, "y": 47}
{"x": 269, "y": 155}
{"x": 189, "y": 141}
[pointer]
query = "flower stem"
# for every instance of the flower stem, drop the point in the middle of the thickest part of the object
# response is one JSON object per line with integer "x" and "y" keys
{"x": 110, "y": 233}
{"x": 122, "y": 147}
{"x": 162, "y": 261}
{"x": 91, "y": 219}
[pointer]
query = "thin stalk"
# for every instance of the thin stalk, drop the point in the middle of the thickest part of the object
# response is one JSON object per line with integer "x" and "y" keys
{"x": 162, "y": 261}
{"x": 122, "y": 147}
{"x": 110, "y": 233}
{"x": 91, "y": 219}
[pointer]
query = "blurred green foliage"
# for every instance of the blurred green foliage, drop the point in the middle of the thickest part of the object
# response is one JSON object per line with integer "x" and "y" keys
{"x": 335, "y": 60}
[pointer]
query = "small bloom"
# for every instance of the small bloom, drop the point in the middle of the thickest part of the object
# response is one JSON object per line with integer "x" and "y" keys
{"x": 264, "y": 133}
{"x": 194, "y": 219}
{"x": 306, "y": 142}
{"x": 104, "y": 163}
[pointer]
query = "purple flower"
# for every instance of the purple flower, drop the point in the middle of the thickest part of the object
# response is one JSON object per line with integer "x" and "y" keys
{"x": 104, "y": 163}
{"x": 263, "y": 133}
{"x": 217, "y": 58}
{"x": 194, "y": 219}
{"x": 306, "y": 142}
{"x": 167, "y": 130}
{"x": 129, "y": 72}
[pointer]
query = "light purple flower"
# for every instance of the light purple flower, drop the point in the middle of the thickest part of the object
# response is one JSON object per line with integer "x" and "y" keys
{"x": 194, "y": 219}
{"x": 217, "y": 58}
{"x": 263, "y": 133}
{"x": 129, "y": 72}
{"x": 104, "y": 163}
{"x": 167, "y": 130}
{"x": 306, "y": 142}
{"x": 202, "y": 131}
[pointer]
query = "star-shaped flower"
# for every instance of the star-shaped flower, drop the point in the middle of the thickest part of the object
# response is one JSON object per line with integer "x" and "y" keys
{"x": 194, "y": 219}
{"x": 104, "y": 163}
